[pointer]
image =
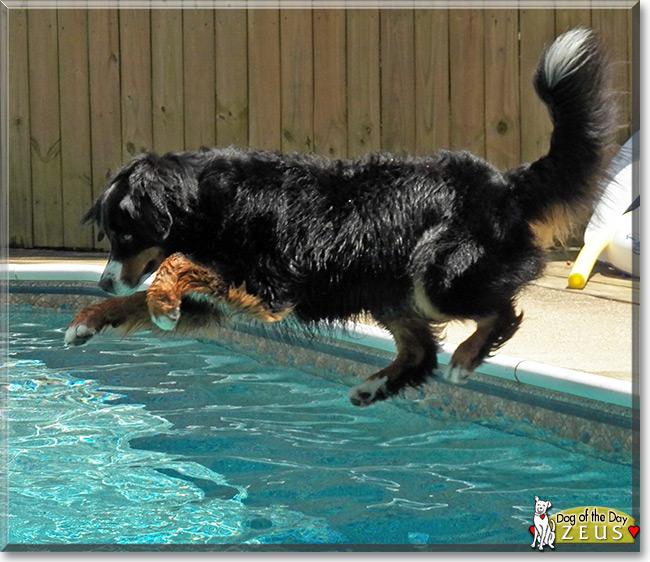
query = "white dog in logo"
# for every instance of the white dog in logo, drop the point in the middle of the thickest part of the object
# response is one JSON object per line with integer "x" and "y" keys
{"x": 544, "y": 530}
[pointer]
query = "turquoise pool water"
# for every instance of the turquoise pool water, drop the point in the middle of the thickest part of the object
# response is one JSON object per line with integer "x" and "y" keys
{"x": 166, "y": 441}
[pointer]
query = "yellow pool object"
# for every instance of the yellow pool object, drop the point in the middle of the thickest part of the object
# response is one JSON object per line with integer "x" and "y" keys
{"x": 589, "y": 254}
{"x": 611, "y": 235}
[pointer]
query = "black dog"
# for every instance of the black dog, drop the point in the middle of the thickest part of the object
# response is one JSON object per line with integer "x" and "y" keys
{"x": 413, "y": 241}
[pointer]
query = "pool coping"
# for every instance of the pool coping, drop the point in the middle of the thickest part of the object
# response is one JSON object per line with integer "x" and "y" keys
{"x": 514, "y": 369}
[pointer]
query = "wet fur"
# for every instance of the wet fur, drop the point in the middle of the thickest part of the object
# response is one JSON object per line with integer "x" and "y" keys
{"x": 414, "y": 241}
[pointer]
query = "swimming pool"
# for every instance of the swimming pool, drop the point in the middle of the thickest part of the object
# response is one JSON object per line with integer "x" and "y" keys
{"x": 245, "y": 442}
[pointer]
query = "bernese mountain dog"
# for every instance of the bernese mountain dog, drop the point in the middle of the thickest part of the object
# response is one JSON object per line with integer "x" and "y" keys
{"x": 412, "y": 241}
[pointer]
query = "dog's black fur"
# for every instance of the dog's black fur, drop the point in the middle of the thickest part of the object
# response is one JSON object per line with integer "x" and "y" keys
{"x": 411, "y": 240}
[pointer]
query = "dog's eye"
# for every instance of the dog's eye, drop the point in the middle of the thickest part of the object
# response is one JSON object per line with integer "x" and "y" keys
{"x": 126, "y": 237}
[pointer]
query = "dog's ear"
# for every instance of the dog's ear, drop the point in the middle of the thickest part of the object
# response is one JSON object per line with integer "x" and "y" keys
{"x": 93, "y": 213}
{"x": 157, "y": 215}
{"x": 156, "y": 184}
{"x": 149, "y": 208}
{"x": 548, "y": 505}
{"x": 93, "y": 216}
{"x": 536, "y": 498}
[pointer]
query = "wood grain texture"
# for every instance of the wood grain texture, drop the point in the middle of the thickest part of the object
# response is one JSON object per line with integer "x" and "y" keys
{"x": 45, "y": 135}
{"x": 612, "y": 27}
{"x": 398, "y": 81}
{"x": 168, "y": 84}
{"x": 297, "y": 78}
{"x": 334, "y": 81}
{"x": 20, "y": 170}
{"x": 264, "y": 79}
{"x": 537, "y": 28}
{"x": 135, "y": 79}
{"x": 232, "y": 77}
{"x": 432, "y": 108}
{"x": 363, "y": 82}
{"x": 105, "y": 102}
{"x": 76, "y": 162}
{"x": 467, "y": 72}
{"x": 566, "y": 19}
{"x": 502, "y": 132}
{"x": 330, "y": 83}
{"x": 199, "y": 77}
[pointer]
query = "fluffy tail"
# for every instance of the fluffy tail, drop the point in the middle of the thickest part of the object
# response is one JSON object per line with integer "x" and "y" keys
{"x": 558, "y": 191}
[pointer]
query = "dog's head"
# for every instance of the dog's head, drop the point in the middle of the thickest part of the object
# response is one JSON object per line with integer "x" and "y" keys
{"x": 136, "y": 213}
{"x": 541, "y": 506}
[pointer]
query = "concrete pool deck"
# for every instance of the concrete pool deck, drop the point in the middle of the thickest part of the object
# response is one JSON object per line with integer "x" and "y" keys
{"x": 591, "y": 330}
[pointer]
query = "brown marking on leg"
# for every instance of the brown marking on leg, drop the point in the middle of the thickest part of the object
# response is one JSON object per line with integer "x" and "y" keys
{"x": 467, "y": 353}
{"x": 131, "y": 314}
{"x": 162, "y": 306}
{"x": 253, "y": 306}
{"x": 178, "y": 277}
{"x": 491, "y": 333}
{"x": 126, "y": 313}
{"x": 416, "y": 359}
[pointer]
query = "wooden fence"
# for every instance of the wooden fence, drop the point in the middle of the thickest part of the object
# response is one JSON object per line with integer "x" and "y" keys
{"x": 90, "y": 88}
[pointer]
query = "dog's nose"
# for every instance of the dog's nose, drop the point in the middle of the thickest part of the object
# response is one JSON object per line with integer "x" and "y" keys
{"x": 107, "y": 284}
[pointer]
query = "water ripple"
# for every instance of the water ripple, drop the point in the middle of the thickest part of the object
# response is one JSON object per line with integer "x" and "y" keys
{"x": 75, "y": 478}
{"x": 150, "y": 441}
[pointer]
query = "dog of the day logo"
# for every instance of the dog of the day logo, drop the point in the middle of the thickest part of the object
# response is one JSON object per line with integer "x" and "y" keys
{"x": 580, "y": 525}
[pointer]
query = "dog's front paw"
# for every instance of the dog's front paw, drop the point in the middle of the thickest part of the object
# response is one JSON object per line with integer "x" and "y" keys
{"x": 78, "y": 333}
{"x": 456, "y": 374}
{"x": 369, "y": 392}
{"x": 88, "y": 322}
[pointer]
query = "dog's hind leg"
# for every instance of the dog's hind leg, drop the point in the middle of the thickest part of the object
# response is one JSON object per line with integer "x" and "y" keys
{"x": 416, "y": 358}
{"x": 179, "y": 278}
{"x": 491, "y": 333}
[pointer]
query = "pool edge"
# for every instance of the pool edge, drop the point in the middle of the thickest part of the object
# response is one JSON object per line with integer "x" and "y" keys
{"x": 514, "y": 369}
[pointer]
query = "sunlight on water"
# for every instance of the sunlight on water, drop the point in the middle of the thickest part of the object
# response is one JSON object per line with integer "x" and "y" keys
{"x": 76, "y": 479}
{"x": 167, "y": 441}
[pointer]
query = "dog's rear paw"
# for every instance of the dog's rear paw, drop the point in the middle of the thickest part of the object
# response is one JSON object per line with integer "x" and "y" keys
{"x": 369, "y": 392}
{"x": 455, "y": 374}
{"x": 78, "y": 333}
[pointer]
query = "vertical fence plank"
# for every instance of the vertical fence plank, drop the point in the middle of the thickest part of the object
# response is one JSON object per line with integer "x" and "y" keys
{"x": 397, "y": 81}
{"x": 199, "y": 75}
{"x": 105, "y": 104}
{"x": 431, "y": 80}
{"x": 467, "y": 81}
{"x": 20, "y": 173}
{"x": 167, "y": 80}
{"x": 537, "y": 28}
{"x": 566, "y": 19}
{"x": 76, "y": 167}
{"x": 264, "y": 79}
{"x": 363, "y": 82}
{"x": 502, "y": 131}
{"x": 45, "y": 131}
{"x": 330, "y": 87}
{"x": 297, "y": 80}
{"x": 135, "y": 48}
{"x": 232, "y": 77}
{"x": 612, "y": 26}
